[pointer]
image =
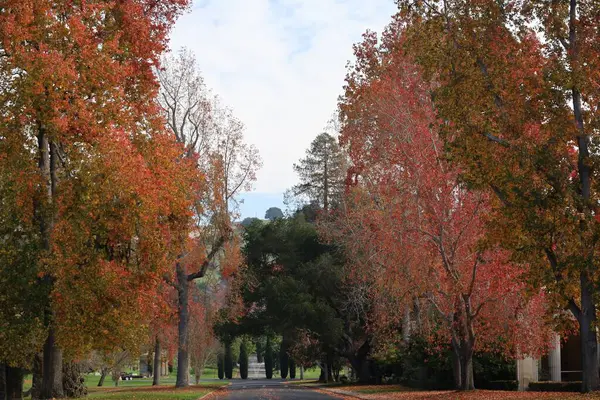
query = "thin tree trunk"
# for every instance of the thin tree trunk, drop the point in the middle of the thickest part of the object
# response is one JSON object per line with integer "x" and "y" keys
{"x": 183, "y": 356}
{"x": 326, "y": 186}
{"x": 14, "y": 383}
{"x": 406, "y": 325}
{"x": 52, "y": 385}
{"x": 2, "y": 381}
{"x": 156, "y": 365}
{"x": 589, "y": 338}
{"x": 301, "y": 372}
{"x": 103, "y": 373}
{"x": 37, "y": 376}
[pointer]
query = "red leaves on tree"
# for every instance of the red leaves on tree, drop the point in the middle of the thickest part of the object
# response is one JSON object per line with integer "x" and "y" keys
{"x": 416, "y": 231}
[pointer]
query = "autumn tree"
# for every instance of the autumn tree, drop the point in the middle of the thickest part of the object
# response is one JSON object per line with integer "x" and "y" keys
{"x": 162, "y": 328}
{"x": 89, "y": 131}
{"x": 204, "y": 345}
{"x": 321, "y": 173}
{"x": 414, "y": 227}
{"x": 209, "y": 131}
{"x": 516, "y": 101}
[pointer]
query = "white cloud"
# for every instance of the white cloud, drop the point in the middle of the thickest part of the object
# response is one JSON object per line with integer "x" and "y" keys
{"x": 280, "y": 64}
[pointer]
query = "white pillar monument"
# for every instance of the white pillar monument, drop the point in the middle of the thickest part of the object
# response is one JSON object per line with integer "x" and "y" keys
{"x": 527, "y": 371}
{"x": 554, "y": 358}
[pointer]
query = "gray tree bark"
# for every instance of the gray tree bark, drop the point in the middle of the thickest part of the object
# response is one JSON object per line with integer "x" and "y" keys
{"x": 183, "y": 355}
{"x": 156, "y": 364}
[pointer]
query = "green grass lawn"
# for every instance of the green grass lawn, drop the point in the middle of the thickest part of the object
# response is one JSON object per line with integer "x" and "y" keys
{"x": 153, "y": 393}
{"x": 142, "y": 389}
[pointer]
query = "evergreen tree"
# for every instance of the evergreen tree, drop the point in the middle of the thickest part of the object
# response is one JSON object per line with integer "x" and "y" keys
{"x": 283, "y": 361}
{"x": 228, "y": 362}
{"x": 322, "y": 173}
{"x": 243, "y": 360}
{"x": 273, "y": 213}
{"x": 220, "y": 365}
{"x": 259, "y": 351}
{"x": 268, "y": 359}
{"x": 292, "y": 368}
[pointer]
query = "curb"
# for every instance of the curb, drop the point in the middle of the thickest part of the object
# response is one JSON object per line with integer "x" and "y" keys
{"x": 343, "y": 393}
{"x": 211, "y": 393}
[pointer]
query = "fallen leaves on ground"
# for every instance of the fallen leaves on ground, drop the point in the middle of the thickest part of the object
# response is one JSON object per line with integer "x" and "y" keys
{"x": 400, "y": 392}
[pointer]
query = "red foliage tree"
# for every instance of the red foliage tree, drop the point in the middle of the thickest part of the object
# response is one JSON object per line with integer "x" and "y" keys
{"x": 111, "y": 192}
{"x": 518, "y": 102}
{"x": 415, "y": 226}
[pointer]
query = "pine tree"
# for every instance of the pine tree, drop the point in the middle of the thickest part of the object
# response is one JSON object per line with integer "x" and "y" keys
{"x": 283, "y": 361}
{"x": 220, "y": 366}
{"x": 322, "y": 173}
{"x": 228, "y": 362}
{"x": 269, "y": 359}
{"x": 243, "y": 361}
{"x": 292, "y": 368}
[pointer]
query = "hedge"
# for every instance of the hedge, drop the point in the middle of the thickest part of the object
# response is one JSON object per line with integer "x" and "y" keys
{"x": 551, "y": 386}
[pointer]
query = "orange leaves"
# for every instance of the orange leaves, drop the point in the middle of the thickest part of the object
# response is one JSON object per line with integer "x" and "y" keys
{"x": 411, "y": 227}
{"x": 79, "y": 74}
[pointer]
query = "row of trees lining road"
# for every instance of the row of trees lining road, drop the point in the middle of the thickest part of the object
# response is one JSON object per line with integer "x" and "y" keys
{"x": 518, "y": 114}
{"x": 119, "y": 178}
{"x": 420, "y": 229}
{"x": 468, "y": 215}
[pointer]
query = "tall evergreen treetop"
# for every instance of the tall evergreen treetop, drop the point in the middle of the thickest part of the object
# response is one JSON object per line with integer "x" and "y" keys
{"x": 321, "y": 172}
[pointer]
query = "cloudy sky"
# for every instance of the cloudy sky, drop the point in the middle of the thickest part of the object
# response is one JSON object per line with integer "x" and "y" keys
{"x": 280, "y": 65}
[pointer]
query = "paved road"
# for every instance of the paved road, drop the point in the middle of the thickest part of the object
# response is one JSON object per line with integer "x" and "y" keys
{"x": 267, "y": 389}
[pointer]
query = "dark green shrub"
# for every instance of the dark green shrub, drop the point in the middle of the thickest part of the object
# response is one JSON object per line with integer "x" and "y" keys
{"x": 417, "y": 366}
{"x": 228, "y": 362}
{"x": 492, "y": 367}
{"x": 268, "y": 360}
{"x": 243, "y": 361}
{"x": 220, "y": 365}
{"x": 292, "y": 369}
{"x": 283, "y": 362}
{"x": 259, "y": 351}
{"x": 500, "y": 385}
{"x": 550, "y": 386}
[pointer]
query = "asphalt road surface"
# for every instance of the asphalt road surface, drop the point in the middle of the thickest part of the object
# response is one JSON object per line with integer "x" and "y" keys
{"x": 267, "y": 389}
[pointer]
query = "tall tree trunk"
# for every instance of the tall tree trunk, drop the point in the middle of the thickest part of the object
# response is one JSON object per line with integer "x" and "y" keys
{"x": 52, "y": 386}
{"x": 466, "y": 367}
{"x": 456, "y": 365}
{"x": 330, "y": 367}
{"x": 183, "y": 355}
{"x": 14, "y": 383}
{"x": 589, "y": 338}
{"x": 156, "y": 364}
{"x": 37, "y": 376}
{"x": 325, "y": 185}
{"x": 103, "y": 373}
{"x": 52, "y": 382}
{"x": 73, "y": 382}
{"x": 406, "y": 324}
{"x": 2, "y": 381}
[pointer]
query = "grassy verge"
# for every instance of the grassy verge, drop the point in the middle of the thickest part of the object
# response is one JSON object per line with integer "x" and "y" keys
{"x": 142, "y": 389}
{"x": 153, "y": 393}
